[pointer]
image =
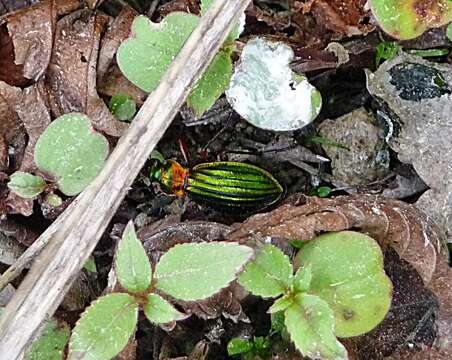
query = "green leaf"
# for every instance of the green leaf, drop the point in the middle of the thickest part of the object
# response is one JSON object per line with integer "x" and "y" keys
{"x": 347, "y": 272}
{"x": 196, "y": 271}
{"x": 26, "y": 185}
{"x": 280, "y": 304}
{"x": 90, "y": 265}
{"x": 310, "y": 323}
{"x": 302, "y": 278}
{"x": 386, "y": 50}
{"x": 160, "y": 311}
{"x": 72, "y": 151}
{"x": 132, "y": 264}
{"x": 146, "y": 55}
{"x": 53, "y": 200}
{"x": 122, "y": 106}
{"x": 269, "y": 274}
{"x": 50, "y": 345}
{"x": 239, "y": 346}
{"x": 104, "y": 328}
{"x": 449, "y": 32}
{"x": 267, "y": 93}
{"x": 408, "y": 19}
{"x": 212, "y": 84}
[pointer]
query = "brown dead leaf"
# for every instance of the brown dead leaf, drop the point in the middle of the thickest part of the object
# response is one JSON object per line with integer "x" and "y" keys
{"x": 343, "y": 17}
{"x": 34, "y": 113}
{"x": 392, "y": 223}
{"x": 31, "y": 107}
{"x": 10, "y": 125}
{"x": 10, "y": 73}
{"x": 71, "y": 75}
{"x": 31, "y": 31}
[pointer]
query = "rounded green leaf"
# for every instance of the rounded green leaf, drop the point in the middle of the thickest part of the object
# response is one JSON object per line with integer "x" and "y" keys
{"x": 310, "y": 323}
{"x": 408, "y": 19}
{"x": 26, "y": 185}
{"x": 53, "y": 200}
{"x": 146, "y": 55}
{"x": 104, "y": 328}
{"x": 269, "y": 274}
{"x": 72, "y": 151}
{"x": 347, "y": 272}
{"x": 160, "y": 311}
{"x": 122, "y": 106}
{"x": 132, "y": 264}
{"x": 267, "y": 93}
{"x": 50, "y": 345}
{"x": 196, "y": 271}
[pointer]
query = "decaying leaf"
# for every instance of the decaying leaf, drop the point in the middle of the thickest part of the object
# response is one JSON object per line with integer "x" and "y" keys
{"x": 342, "y": 17}
{"x": 418, "y": 98}
{"x": 31, "y": 30}
{"x": 409, "y": 231}
{"x": 71, "y": 76}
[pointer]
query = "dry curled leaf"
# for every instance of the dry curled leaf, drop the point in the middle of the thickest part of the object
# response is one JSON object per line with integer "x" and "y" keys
{"x": 71, "y": 76}
{"x": 395, "y": 224}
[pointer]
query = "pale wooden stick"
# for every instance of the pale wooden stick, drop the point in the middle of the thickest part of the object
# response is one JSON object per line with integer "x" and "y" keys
{"x": 54, "y": 270}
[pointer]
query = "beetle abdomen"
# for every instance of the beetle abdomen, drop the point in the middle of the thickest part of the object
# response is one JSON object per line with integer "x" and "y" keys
{"x": 233, "y": 184}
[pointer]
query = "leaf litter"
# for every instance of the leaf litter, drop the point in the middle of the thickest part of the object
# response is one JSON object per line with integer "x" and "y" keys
{"x": 56, "y": 57}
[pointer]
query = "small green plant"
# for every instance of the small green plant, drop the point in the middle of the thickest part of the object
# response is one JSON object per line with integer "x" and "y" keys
{"x": 339, "y": 289}
{"x": 186, "y": 272}
{"x": 145, "y": 56}
{"x": 320, "y": 191}
{"x": 386, "y": 50}
{"x": 70, "y": 151}
{"x": 408, "y": 19}
{"x": 122, "y": 106}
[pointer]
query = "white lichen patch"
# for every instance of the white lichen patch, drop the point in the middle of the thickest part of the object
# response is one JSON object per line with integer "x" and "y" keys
{"x": 267, "y": 93}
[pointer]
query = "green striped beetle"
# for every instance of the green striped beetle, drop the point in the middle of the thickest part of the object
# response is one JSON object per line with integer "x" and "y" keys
{"x": 224, "y": 185}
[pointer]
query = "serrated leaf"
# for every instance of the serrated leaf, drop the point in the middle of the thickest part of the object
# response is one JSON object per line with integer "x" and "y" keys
{"x": 145, "y": 56}
{"x": 410, "y": 18}
{"x": 104, "y": 328}
{"x": 72, "y": 151}
{"x": 302, "y": 278}
{"x": 269, "y": 274}
{"x": 26, "y": 185}
{"x": 132, "y": 264}
{"x": 280, "y": 304}
{"x": 310, "y": 323}
{"x": 160, "y": 311}
{"x": 239, "y": 346}
{"x": 122, "y": 106}
{"x": 267, "y": 93}
{"x": 347, "y": 272}
{"x": 196, "y": 271}
{"x": 50, "y": 345}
